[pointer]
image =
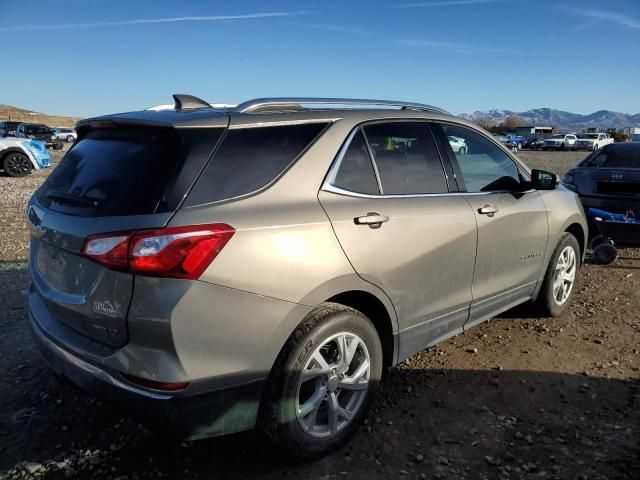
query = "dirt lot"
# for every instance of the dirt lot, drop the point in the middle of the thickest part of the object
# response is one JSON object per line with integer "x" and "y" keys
{"x": 515, "y": 398}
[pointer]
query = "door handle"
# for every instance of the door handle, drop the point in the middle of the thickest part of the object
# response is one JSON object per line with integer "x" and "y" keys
{"x": 488, "y": 210}
{"x": 373, "y": 219}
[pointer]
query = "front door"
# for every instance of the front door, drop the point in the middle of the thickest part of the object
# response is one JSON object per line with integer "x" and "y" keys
{"x": 512, "y": 225}
{"x": 402, "y": 230}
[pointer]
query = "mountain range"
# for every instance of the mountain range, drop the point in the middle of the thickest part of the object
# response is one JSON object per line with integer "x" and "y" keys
{"x": 559, "y": 119}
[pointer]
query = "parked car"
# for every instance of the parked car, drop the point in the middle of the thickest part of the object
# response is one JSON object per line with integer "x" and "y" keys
{"x": 270, "y": 282}
{"x": 518, "y": 140}
{"x": 18, "y": 157}
{"x": 560, "y": 142}
{"x": 608, "y": 179}
{"x": 67, "y": 134}
{"x": 592, "y": 141}
{"x": 458, "y": 145}
{"x": 534, "y": 143}
{"x": 8, "y": 129}
{"x": 41, "y": 132}
{"x": 507, "y": 142}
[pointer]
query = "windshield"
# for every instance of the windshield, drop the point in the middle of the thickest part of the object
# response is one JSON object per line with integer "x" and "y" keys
{"x": 558, "y": 136}
{"x": 625, "y": 157}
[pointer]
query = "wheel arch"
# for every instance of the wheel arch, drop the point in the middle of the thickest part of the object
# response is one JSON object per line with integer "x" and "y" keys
{"x": 577, "y": 231}
{"x": 8, "y": 150}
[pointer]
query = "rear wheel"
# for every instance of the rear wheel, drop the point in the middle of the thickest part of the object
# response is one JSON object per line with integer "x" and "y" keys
{"x": 323, "y": 382}
{"x": 70, "y": 138}
{"x": 462, "y": 151}
{"x": 561, "y": 277}
{"x": 605, "y": 253}
{"x": 16, "y": 164}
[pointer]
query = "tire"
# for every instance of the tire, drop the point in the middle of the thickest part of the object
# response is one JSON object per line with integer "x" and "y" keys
{"x": 547, "y": 300}
{"x": 462, "y": 151}
{"x": 605, "y": 253}
{"x": 70, "y": 138}
{"x": 595, "y": 148}
{"x": 562, "y": 147}
{"x": 312, "y": 436}
{"x": 595, "y": 241}
{"x": 58, "y": 146}
{"x": 16, "y": 164}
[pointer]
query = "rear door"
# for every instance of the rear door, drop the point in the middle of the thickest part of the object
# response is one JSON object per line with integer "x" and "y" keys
{"x": 116, "y": 178}
{"x": 389, "y": 203}
{"x": 512, "y": 223}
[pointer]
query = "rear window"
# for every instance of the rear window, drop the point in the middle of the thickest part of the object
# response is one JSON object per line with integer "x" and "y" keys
{"x": 249, "y": 159}
{"x": 114, "y": 171}
{"x": 620, "y": 157}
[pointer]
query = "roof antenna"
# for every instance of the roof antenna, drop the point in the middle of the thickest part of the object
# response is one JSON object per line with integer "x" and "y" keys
{"x": 189, "y": 102}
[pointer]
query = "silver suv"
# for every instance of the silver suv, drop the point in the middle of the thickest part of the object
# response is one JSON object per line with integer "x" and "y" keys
{"x": 213, "y": 270}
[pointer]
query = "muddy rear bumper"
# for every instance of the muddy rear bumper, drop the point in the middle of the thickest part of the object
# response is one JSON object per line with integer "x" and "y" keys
{"x": 214, "y": 413}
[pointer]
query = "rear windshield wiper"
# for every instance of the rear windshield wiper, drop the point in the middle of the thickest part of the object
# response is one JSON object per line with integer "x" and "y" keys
{"x": 62, "y": 197}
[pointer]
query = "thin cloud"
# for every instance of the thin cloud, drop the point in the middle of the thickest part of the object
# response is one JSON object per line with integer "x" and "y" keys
{"x": 453, "y": 47}
{"x": 328, "y": 26}
{"x": 612, "y": 17}
{"x": 141, "y": 21}
{"x": 447, "y": 3}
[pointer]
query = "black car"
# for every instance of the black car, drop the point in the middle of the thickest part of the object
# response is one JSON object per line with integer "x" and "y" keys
{"x": 533, "y": 143}
{"x": 8, "y": 129}
{"x": 608, "y": 179}
{"x": 39, "y": 131}
{"x": 507, "y": 142}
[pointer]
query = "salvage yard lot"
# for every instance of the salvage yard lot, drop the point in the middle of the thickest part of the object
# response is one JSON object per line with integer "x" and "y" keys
{"x": 517, "y": 397}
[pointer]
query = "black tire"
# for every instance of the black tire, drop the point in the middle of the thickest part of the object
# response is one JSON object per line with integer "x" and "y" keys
{"x": 278, "y": 418}
{"x": 70, "y": 138}
{"x": 16, "y": 164}
{"x": 546, "y": 301}
{"x": 462, "y": 151}
{"x": 58, "y": 146}
{"x": 562, "y": 147}
{"x": 605, "y": 253}
{"x": 595, "y": 241}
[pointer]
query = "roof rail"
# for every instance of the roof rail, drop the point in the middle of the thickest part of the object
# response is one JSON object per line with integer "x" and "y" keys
{"x": 295, "y": 103}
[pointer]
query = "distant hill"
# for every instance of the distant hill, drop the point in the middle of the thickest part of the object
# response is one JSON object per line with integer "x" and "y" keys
{"x": 562, "y": 120}
{"x": 15, "y": 114}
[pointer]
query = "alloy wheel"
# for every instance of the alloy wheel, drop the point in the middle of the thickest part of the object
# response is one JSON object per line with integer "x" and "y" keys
{"x": 17, "y": 165}
{"x": 333, "y": 385}
{"x": 565, "y": 275}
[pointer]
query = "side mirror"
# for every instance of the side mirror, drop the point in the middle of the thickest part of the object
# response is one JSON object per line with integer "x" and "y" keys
{"x": 541, "y": 180}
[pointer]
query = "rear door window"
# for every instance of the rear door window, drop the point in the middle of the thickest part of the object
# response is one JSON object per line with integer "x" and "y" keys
{"x": 406, "y": 157}
{"x": 249, "y": 159}
{"x": 115, "y": 171}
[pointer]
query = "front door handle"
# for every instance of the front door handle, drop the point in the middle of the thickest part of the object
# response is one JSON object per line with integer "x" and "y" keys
{"x": 488, "y": 209}
{"x": 373, "y": 219}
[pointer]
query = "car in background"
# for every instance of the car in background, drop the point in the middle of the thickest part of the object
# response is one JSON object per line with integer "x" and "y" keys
{"x": 534, "y": 143}
{"x": 608, "y": 179}
{"x": 507, "y": 142}
{"x": 8, "y": 129}
{"x": 39, "y": 131}
{"x": 67, "y": 134}
{"x": 592, "y": 141}
{"x": 519, "y": 140}
{"x": 560, "y": 141}
{"x": 458, "y": 145}
{"x": 19, "y": 156}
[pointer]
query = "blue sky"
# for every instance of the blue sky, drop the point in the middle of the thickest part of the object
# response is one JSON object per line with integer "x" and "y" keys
{"x": 89, "y": 57}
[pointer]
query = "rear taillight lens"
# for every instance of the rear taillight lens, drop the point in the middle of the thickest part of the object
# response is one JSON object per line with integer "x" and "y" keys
{"x": 174, "y": 252}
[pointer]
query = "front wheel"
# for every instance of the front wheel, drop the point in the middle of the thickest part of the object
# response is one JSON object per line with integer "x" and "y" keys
{"x": 70, "y": 138}
{"x": 462, "y": 151}
{"x": 562, "y": 275}
{"x": 323, "y": 382}
{"x": 16, "y": 164}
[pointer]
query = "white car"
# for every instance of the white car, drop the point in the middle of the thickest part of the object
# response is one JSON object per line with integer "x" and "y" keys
{"x": 592, "y": 141}
{"x": 19, "y": 156}
{"x": 458, "y": 145}
{"x": 67, "y": 134}
{"x": 560, "y": 141}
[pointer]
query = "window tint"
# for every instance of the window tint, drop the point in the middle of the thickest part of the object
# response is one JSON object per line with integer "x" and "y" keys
{"x": 484, "y": 166}
{"x": 356, "y": 170}
{"x": 406, "y": 157}
{"x": 624, "y": 156}
{"x": 249, "y": 159}
{"x": 125, "y": 171}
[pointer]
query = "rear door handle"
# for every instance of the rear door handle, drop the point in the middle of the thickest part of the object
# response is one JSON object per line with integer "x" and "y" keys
{"x": 373, "y": 219}
{"x": 488, "y": 209}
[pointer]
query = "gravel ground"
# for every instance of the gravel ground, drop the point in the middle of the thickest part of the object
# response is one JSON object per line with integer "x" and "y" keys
{"x": 515, "y": 398}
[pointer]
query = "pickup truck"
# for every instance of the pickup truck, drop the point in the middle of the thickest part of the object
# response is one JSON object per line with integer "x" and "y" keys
{"x": 592, "y": 141}
{"x": 560, "y": 142}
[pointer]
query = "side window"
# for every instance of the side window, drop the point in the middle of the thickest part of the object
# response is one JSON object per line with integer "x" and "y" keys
{"x": 484, "y": 166}
{"x": 248, "y": 159}
{"x": 406, "y": 157}
{"x": 356, "y": 170}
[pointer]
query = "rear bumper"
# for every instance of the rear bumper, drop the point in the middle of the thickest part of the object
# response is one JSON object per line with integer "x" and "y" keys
{"x": 208, "y": 414}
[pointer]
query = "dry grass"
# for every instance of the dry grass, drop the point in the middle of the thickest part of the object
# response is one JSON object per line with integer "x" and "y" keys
{"x": 15, "y": 114}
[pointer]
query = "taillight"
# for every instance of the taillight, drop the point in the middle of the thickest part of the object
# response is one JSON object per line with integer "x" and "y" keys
{"x": 155, "y": 385}
{"x": 175, "y": 252}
